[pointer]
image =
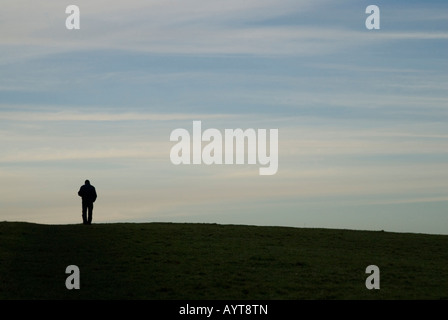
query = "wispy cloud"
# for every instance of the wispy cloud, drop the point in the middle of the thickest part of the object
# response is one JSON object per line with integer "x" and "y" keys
{"x": 95, "y": 116}
{"x": 193, "y": 27}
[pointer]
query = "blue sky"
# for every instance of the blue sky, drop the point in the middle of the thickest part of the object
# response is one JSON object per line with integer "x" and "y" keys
{"x": 363, "y": 140}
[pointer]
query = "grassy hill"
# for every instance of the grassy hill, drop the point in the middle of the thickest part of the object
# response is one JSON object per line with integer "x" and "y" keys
{"x": 208, "y": 261}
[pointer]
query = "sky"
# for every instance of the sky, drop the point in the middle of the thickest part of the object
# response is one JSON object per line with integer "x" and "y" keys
{"x": 361, "y": 114}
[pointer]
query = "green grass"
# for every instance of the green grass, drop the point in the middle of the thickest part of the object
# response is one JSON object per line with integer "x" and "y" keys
{"x": 208, "y": 261}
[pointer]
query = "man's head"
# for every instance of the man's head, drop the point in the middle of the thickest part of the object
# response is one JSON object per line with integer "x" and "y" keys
{"x": 87, "y": 182}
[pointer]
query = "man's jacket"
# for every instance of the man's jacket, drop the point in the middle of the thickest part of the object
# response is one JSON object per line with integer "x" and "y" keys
{"x": 87, "y": 193}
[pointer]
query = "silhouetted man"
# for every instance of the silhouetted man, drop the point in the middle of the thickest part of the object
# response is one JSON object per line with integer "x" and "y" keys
{"x": 88, "y": 194}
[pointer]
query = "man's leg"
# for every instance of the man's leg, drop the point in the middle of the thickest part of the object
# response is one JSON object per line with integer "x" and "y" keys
{"x": 90, "y": 211}
{"x": 84, "y": 213}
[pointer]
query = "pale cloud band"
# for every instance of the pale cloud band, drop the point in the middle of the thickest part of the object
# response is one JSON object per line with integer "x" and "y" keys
{"x": 104, "y": 116}
{"x": 190, "y": 27}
